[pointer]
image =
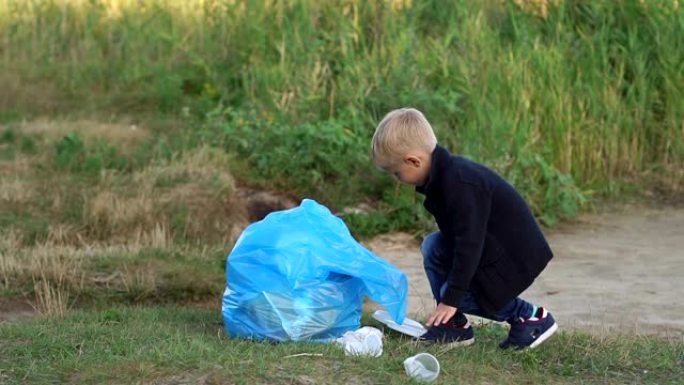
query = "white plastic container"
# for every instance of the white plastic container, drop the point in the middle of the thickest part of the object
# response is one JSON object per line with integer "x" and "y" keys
{"x": 409, "y": 327}
{"x": 422, "y": 367}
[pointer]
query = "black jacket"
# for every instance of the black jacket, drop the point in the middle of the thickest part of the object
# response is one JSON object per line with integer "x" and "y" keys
{"x": 497, "y": 247}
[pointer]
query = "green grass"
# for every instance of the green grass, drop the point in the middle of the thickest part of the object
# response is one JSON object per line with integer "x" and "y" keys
{"x": 130, "y": 345}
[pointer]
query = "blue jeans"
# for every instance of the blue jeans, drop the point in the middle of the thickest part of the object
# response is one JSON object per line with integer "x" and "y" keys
{"x": 437, "y": 267}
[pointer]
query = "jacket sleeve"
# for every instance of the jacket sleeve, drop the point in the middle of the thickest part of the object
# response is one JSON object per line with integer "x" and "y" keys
{"x": 468, "y": 207}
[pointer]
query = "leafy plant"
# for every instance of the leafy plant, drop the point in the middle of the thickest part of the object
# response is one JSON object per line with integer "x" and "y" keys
{"x": 72, "y": 153}
{"x": 552, "y": 194}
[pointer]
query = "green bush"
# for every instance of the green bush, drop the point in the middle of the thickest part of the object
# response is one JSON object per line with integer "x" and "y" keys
{"x": 72, "y": 154}
{"x": 328, "y": 160}
{"x": 8, "y": 136}
{"x": 552, "y": 194}
{"x": 400, "y": 210}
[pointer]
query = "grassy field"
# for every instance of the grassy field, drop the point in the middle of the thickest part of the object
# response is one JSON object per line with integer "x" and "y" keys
{"x": 566, "y": 99}
{"x": 131, "y": 131}
{"x": 172, "y": 345}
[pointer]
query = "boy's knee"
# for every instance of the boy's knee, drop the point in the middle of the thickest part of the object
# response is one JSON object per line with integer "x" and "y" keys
{"x": 429, "y": 246}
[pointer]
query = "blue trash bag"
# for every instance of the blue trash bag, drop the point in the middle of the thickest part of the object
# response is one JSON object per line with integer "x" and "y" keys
{"x": 299, "y": 275}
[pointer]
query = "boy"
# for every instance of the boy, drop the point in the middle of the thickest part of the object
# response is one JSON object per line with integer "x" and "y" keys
{"x": 488, "y": 249}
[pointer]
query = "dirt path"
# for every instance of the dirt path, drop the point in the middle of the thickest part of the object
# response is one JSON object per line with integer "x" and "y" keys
{"x": 621, "y": 271}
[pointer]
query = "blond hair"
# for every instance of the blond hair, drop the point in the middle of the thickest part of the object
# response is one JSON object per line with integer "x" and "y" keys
{"x": 401, "y": 131}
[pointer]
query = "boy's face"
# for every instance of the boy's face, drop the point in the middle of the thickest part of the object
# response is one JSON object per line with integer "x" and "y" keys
{"x": 413, "y": 169}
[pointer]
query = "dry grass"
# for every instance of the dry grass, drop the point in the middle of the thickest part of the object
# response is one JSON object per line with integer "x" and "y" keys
{"x": 11, "y": 262}
{"x": 10, "y": 241}
{"x": 122, "y": 135}
{"x": 107, "y": 236}
{"x": 56, "y": 261}
{"x": 196, "y": 185}
{"x": 108, "y": 213}
{"x": 201, "y": 165}
{"x": 31, "y": 95}
{"x": 157, "y": 237}
{"x": 56, "y": 276}
{"x": 48, "y": 261}
{"x": 537, "y": 7}
{"x": 17, "y": 167}
{"x": 15, "y": 191}
{"x": 54, "y": 269}
{"x": 141, "y": 281}
{"x": 9, "y": 269}
{"x": 50, "y": 300}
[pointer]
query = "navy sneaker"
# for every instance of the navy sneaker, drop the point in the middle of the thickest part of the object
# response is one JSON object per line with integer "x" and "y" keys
{"x": 450, "y": 334}
{"x": 531, "y": 332}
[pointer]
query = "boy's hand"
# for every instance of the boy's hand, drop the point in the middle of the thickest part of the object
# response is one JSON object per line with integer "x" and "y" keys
{"x": 442, "y": 315}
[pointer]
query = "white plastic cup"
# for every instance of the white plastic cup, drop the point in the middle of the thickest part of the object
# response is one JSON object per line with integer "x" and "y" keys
{"x": 422, "y": 367}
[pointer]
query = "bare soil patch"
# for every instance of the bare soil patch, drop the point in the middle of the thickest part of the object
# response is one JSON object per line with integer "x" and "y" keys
{"x": 16, "y": 310}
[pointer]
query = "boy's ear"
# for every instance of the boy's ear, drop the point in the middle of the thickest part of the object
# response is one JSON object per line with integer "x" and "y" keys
{"x": 412, "y": 160}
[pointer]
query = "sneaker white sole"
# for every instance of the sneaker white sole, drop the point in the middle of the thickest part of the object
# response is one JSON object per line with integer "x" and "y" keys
{"x": 447, "y": 346}
{"x": 458, "y": 344}
{"x": 544, "y": 336}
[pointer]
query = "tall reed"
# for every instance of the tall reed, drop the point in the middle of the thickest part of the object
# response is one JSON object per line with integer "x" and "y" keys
{"x": 594, "y": 89}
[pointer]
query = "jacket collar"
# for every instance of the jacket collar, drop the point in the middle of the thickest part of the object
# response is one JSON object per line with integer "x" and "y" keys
{"x": 440, "y": 157}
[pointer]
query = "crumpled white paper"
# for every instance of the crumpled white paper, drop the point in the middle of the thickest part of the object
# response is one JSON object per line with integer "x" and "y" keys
{"x": 366, "y": 341}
